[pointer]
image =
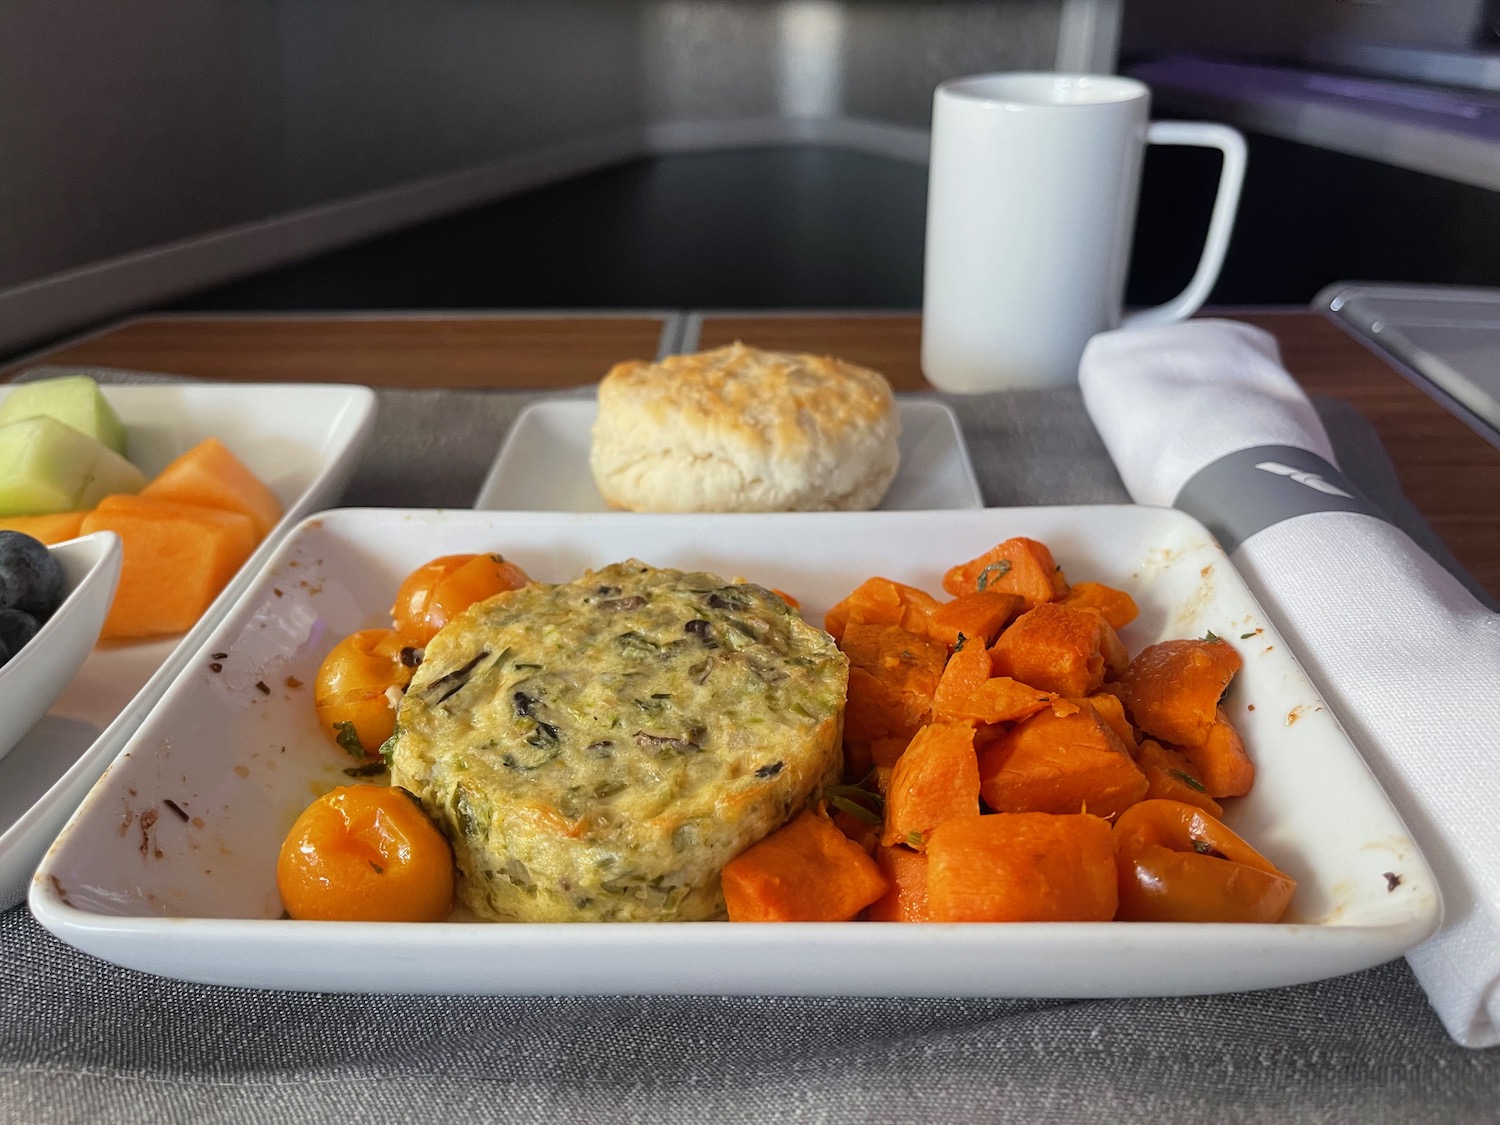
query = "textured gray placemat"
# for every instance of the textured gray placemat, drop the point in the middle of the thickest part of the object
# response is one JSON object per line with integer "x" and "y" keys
{"x": 82, "y": 1040}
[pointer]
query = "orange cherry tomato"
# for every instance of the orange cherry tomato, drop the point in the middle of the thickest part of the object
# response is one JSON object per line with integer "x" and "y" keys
{"x": 352, "y": 691}
{"x": 365, "y": 853}
{"x": 1178, "y": 864}
{"x": 438, "y": 591}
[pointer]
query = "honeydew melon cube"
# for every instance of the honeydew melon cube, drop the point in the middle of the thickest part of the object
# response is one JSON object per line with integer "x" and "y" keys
{"x": 74, "y": 400}
{"x": 46, "y": 466}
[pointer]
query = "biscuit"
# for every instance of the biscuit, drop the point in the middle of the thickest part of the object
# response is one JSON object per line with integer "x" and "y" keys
{"x": 737, "y": 429}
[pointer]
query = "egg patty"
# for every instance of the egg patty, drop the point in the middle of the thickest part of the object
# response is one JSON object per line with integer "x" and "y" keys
{"x": 599, "y": 750}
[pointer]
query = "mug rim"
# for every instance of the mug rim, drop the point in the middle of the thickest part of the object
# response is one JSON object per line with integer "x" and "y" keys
{"x": 1027, "y": 89}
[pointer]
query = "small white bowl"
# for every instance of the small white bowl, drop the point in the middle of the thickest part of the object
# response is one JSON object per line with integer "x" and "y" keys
{"x": 36, "y": 675}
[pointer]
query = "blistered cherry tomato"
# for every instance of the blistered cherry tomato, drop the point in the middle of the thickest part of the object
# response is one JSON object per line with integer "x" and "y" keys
{"x": 1178, "y": 864}
{"x": 352, "y": 694}
{"x": 438, "y": 591}
{"x": 365, "y": 853}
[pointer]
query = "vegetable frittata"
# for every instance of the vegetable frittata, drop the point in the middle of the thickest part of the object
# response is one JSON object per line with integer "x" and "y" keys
{"x": 599, "y": 750}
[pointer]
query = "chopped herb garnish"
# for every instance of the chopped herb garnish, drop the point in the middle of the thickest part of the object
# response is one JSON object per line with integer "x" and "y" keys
{"x": 175, "y": 807}
{"x": 260, "y": 686}
{"x": 370, "y": 769}
{"x": 1212, "y": 637}
{"x": 916, "y": 839}
{"x": 993, "y": 572}
{"x": 377, "y": 868}
{"x": 1189, "y": 780}
{"x": 770, "y": 770}
{"x": 1392, "y": 881}
{"x": 858, "y": 811}
{"x": 1246, "y": 636}
{"x": 221, "y": 656}
{"x": 216, "y": 667}
{"x": 958, "y": 645}
{"x": 872, "y": 802}
{"x": 347, "y": 736}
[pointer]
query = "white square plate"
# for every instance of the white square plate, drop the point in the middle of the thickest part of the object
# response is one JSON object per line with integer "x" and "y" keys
{"x": 301, "y": 439}
{"x": 169, "y": 865}
{"x": 543, "y": 464}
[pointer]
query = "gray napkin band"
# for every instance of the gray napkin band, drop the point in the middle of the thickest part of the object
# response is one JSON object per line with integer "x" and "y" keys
{"x": 1250, "y": 489}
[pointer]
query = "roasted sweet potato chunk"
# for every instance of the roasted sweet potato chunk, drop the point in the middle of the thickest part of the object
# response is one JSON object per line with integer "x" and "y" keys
{"x": 876, "y": 710}
{"x": 1054, "y": 648}
{"x": 905, "y": 899}
{"x": 999, "y": 699}
{"x": 1060, "y": 764}
{"x": 1112, "y": 711}
{"x": 1016, "y": 566}
{"x": 937, "y": 778}
{"x": 805, "y": 871}
{"x": 1115, "y": 606}
{"x": 893, "y": 674}
{"x": 881, "y": 601}
{"x": 967, "y": 670}
{"x": 1220, "y": 761}
{"x": 1022, "y": 867}
{"x": 1172, "y": 688}
{"x": 977, "y": 617}
{"x": 1173, "y": 778}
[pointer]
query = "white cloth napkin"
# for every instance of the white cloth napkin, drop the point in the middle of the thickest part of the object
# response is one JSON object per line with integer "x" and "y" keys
{"x": 1407, "y": 657}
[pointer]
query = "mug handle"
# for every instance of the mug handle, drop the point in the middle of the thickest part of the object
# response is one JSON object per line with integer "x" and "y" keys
{"x": 1220, "y": 224}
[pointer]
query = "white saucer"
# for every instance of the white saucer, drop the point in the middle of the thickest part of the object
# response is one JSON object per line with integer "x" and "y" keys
{"x": 543, "y": 464}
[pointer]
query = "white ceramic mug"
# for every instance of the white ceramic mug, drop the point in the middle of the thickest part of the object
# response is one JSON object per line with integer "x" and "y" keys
{"x": 1030, "y": 216}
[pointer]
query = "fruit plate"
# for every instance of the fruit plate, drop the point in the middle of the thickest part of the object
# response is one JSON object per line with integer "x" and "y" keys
{"x": 302, "y": 440}
{"x": 169, "y": 865}
{"x": 543, "y": 464}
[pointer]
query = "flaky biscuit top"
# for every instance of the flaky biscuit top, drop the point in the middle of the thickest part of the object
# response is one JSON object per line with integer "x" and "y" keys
{"x": 769, "y": 399}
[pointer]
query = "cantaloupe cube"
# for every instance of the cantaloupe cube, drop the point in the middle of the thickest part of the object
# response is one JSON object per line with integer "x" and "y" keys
{"x": 177, "y": 557}
{"x": 210, "y": 475}
{"x": 48, "y": 529}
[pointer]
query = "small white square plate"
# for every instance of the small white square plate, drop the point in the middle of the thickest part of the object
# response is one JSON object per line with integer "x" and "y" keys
{"x": 543, "y": 463}
{"x": 302, "y": 440}
{"x": 169, "y": 865}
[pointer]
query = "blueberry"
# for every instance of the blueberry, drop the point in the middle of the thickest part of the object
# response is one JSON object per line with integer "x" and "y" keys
{"x": 31, "y": 580}
{"x": 16, "y": 628}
